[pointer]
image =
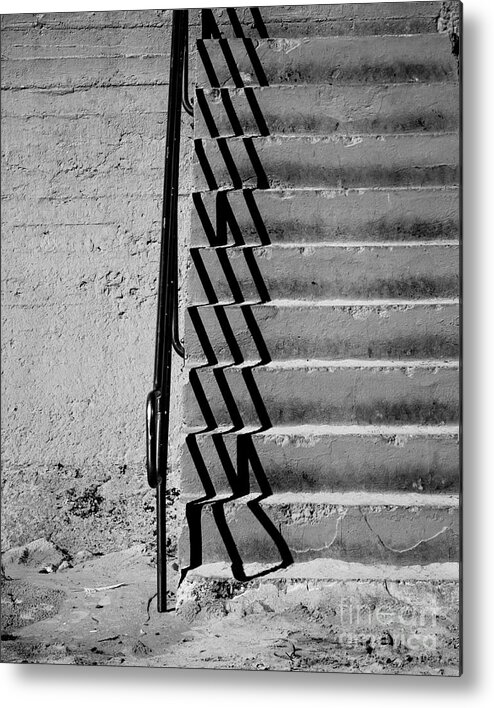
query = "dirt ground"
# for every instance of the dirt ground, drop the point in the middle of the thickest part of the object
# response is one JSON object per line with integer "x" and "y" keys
{"x": 102, "y": 610}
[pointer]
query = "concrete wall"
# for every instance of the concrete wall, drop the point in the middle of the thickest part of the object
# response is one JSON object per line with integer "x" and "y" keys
{"x": 83, "y": 123}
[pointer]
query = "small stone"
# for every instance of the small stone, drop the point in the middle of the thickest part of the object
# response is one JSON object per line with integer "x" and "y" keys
{"x": 51, "y": 568}
{"x": 140, "y": 649}
{"x": 40, "y": 553}
{"x": 115, "y": 661}
{"x": 82, "y": 556}
{"x": 64, "y": 565}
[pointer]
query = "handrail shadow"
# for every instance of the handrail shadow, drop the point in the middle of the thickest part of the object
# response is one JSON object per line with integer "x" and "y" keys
{"x": 236, "y": 179}
{"x": 236, "y": 472}
{"x": 247, "y": 456}
{"x": 211, "y": 30}
{"x": 217, "y": 235}
{"x": 249, "y": 93}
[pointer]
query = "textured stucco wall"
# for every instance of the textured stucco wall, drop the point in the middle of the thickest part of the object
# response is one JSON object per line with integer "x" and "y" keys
{"x": 84, "y": 99}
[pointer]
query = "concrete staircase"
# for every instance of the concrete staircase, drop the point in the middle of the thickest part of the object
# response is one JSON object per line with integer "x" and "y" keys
{"x": 322, "y": 332}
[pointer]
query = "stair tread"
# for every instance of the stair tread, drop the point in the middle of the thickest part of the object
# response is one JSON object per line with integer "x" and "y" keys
{"x": 343, "y": 302}
{"x": 441, "y": 37}
{"x": 326, "y": 38}
{"x": 337, "y": 139}
{"x": 239, "y": 90}
{"x": 333, "y": 569}
{"x": 345, "y": 499}
{"x": 346, "y": 245}
{"x": 325, "y": 429}
{"x": 340, "y": 364}
{"x": 332, "y": 192}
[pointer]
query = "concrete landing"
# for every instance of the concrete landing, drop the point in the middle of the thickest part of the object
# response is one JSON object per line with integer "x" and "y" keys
{"x": 380, "y": 612}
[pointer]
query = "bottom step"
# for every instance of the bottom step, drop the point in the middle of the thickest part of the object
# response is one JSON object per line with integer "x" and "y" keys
{"x": 398, "y": 529}
{"x": 396, "y": 616}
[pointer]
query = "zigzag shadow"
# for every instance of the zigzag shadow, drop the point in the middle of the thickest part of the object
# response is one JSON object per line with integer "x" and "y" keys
{"x": 230, "y": 62}
{"x": 239, "y": 480}
{"x": 236, "y": 179}
{"x": 211, "y": 29}
{"x": 224, "y": 93}
{"x": 217, "y": 235}
{"x": 226, "y": 102}
{"x": 237, "y": 473}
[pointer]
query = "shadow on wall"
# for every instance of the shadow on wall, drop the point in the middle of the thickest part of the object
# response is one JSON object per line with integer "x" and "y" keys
{"x": 237, "y": 471}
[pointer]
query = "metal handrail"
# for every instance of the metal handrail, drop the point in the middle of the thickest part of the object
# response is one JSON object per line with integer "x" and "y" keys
{"x": 167, "y": 334}
{"x": 186, "y": 101}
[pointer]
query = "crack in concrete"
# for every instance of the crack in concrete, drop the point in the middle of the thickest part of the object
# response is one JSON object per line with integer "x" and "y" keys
{"x": 327, "y": 545}
{"x": 148, "y": 608}
{"x": 402, "y": 550}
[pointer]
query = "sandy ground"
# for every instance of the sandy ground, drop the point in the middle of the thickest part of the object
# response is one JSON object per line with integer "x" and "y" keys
{"x": 102, "y": 611}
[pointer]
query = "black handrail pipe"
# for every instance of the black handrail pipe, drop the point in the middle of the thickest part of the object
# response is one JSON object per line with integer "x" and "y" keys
{"x": 167, "y": 336}
{"x": 186, "y": 101}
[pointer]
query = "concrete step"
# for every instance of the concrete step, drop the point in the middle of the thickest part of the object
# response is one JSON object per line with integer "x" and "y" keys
{"x": 315, "y": 392}
{"x": 322, "y": 60}
{"x": 399, "y": 529}
{"x": 338, "y": 162}
{"x": 322, "y": 458}
{"x": 323, "y": 20}
{"x": 326, "y": 109}
{"x": 287, "y": 329}
{"x": 319, "y": 272}
{"x": 304, "y": 215}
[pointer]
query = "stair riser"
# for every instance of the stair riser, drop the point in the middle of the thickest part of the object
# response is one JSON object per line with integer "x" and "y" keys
{"x": 341, "y": 60}
{"x": 324, "y": 110}
{"x": 326, "y": 20}
{"x": 266, "y": 396}
{"x": 398, "y": 161}
{"x": 299, "y": 273}
{"x": 335, "y": 28}
{"x": 235, "y": 334}
{"x": 255, "y": 217}
{"x": 240, "y": 464}
{"x": 396, "y": 535}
